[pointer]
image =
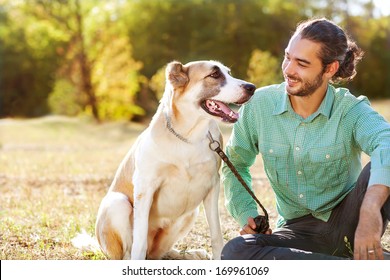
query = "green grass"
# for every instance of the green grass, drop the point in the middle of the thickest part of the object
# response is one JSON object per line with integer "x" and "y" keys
{"x": 54, "y": 172}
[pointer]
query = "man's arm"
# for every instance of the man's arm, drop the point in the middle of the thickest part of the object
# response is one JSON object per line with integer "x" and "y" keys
{"x": 368, "y": 233}
{"x": 241, "y": 150}
{"x": 372, "y": 134}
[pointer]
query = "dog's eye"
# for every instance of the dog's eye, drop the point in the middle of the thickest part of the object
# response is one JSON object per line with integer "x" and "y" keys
{"x": 215, "y": 75}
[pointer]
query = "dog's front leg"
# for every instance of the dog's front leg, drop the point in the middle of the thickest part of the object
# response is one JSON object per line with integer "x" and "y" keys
{"x": 143, "y": 197}
{"x": 212, "y": 214}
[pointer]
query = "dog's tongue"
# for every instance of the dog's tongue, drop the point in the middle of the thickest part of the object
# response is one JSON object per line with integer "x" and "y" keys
{"x": 221, "y": 109}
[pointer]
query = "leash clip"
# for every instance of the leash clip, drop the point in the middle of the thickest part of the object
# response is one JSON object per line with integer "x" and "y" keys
{"x": 214, "y": 144}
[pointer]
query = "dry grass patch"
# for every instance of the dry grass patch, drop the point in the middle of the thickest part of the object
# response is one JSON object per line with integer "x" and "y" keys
{"x": 54, "y": 172}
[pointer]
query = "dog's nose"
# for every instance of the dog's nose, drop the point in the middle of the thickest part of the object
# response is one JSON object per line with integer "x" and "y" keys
{"x": 249, "y": 88}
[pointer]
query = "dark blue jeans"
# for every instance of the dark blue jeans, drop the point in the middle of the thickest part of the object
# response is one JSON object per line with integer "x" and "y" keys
{"x": 308, "y": 238}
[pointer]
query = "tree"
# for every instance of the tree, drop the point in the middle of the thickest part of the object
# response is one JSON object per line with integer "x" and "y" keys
{"x": 101, "y": 57}
{"x": 373, "y": 72}
{"x": 68, "y": 17}
{"x": 116, "y": 81}
{"x": 97, "y": 58}
{"x": 28, "y": 59}
{"x": 264, "y": 69}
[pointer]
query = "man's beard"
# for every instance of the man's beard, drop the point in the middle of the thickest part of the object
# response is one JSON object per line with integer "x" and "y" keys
{"x": 307, "y": 88}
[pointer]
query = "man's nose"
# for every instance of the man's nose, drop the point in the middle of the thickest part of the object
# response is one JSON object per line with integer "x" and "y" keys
{"x": 288, "y": 68}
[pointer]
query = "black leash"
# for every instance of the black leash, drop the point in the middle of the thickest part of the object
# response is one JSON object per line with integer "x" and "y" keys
{"x": 262, "y": 222}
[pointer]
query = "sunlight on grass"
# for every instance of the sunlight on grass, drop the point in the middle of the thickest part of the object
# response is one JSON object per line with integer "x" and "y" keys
{"x": 54, "y": 172}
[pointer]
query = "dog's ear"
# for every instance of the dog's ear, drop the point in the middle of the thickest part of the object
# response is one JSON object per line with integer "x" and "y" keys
{"x": 176, "y": 74}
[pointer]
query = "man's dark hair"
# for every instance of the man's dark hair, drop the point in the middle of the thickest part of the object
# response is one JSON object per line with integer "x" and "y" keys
{"x": 336, "y": 46}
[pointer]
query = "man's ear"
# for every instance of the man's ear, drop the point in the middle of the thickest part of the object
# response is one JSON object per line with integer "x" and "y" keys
{"x": 176, "y": 74}
{"x": 332, "y": 69}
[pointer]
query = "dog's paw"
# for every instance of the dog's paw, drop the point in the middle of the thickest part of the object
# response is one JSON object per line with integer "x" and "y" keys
{"x": 85, "y": 242}
{"x": 186, "y": 255}
{"x": 196, "y": 255}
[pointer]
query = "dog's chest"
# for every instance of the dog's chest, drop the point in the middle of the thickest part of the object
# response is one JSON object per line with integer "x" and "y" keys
{"x": 184, "y": 186}
{"x": 191, "y": 176}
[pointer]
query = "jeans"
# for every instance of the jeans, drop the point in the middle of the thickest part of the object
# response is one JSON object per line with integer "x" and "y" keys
{"x": 308, "y": 238}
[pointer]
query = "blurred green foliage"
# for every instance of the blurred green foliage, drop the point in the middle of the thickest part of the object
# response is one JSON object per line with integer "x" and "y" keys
{"x": 264, "y": 69}
{"x": 107, "y": 58}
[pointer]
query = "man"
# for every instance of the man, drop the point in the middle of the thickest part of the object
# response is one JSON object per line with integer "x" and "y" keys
{"x": 310, "y": 136}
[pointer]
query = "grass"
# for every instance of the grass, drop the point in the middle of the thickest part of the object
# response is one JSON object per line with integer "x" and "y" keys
{"x": 54, "y": 172}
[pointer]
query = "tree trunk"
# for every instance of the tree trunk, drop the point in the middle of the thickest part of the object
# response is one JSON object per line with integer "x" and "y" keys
{"x": 85, "y": 67}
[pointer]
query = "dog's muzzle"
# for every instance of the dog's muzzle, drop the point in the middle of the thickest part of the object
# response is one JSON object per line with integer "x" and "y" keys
{"x": 222, "y": 109}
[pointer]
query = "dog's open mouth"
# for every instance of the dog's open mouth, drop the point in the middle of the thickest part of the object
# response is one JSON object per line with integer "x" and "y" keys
{"x": 219, "y": 109}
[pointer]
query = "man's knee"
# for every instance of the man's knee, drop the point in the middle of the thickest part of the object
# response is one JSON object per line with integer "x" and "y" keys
{"x": 238, "y": 248}
{"x": 233, "y": 249}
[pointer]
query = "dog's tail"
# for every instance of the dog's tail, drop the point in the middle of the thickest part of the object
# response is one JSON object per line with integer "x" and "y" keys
{"x": 86, "y": 242}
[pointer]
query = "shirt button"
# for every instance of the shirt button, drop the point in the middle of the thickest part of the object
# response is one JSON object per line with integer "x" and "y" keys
{"x": 271, "y": 151}
{"x": 327, "y": 156}
{"x": 297, "y": 148}
{"x": 299, "y": 172}
{"x": 301, "y": 196}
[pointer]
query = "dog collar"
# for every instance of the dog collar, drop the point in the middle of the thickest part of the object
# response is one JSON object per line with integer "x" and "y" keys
{"x": 170, "y": 128}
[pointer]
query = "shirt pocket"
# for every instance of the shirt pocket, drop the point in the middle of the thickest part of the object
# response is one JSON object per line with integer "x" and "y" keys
{"x": 329, "y": 166}
{"x": 275, "y": 158}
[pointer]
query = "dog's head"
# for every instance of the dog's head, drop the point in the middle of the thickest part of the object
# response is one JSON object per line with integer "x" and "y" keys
{"x": 207, "y": 86}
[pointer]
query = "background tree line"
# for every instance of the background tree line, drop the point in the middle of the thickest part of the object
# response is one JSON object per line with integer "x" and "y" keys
{"x": 106, "y": 58}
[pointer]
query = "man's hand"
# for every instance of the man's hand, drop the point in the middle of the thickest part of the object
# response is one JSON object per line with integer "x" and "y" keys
{"x": 367, "y": 244}
{"x": 250, "y": 227}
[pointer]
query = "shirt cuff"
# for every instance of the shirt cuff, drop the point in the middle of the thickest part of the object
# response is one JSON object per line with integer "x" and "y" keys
{"x": 380, "y": 177}
{"x": 243, "y": 218}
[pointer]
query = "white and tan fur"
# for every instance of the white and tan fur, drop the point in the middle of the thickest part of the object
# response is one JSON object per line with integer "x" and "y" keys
{"x": 170, "y": 170}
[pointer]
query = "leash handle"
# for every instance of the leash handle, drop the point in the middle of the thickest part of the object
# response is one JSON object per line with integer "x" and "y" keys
{"x": 262, "y": 222}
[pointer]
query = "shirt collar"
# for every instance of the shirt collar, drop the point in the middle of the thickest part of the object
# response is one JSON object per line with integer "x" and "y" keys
{"x": 325, "y": 108}
{"x": 282, "y": 105}
{"x": 327, "y": 104}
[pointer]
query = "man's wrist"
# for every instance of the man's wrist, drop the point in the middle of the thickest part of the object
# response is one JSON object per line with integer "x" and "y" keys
{"x": 375, "y": 197}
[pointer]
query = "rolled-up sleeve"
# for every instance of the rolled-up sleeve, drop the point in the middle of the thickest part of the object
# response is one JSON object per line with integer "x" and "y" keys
{"x": 380, "y": 167}
{"x": 372, "y": 133}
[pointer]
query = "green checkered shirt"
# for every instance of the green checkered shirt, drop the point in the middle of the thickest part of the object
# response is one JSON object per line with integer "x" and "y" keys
{"x": 312, "y": 163}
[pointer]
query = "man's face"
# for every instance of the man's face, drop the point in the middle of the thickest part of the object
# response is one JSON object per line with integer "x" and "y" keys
{"x": 302, "y": 68}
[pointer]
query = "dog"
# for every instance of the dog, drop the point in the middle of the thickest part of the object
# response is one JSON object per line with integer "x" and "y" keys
{"x": 170, "y": 170}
